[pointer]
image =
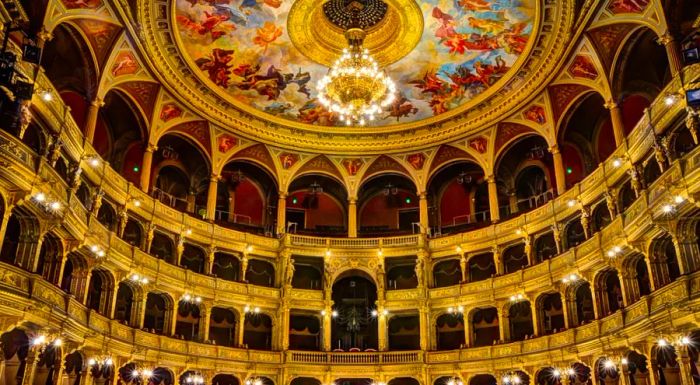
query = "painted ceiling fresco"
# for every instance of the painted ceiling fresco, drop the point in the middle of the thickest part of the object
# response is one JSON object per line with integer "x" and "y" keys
{"x": 243, "y": 48}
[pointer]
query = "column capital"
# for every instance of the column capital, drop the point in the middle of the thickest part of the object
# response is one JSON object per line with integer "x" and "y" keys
{"x": 666, "y": 39}
{"x": 610, "y": 104}
{"x": 282, "y": 194}
{"x": 151, "y": 148}
{"x": 352, "y": 201}
{"x": 214, "y": 178}
{"x": 97, "y": 102}
{"x": 490, "y": 178}
{"x": 554, "y": 149}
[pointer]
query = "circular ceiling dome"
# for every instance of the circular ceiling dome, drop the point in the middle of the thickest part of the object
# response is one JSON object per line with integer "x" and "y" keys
{"x": 461, "y": 51}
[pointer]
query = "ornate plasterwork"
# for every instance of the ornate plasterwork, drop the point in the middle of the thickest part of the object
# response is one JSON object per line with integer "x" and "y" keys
{"x": 537, "y": 68}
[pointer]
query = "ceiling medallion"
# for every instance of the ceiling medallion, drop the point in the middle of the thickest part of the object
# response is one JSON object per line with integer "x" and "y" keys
{"x": 354, "y": 87}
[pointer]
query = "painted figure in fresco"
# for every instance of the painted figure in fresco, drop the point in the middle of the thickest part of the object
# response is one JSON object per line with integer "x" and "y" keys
{"x": 401, "y": 107}
{"x": 217, "y": 66}
{"x": 271, "y": 83}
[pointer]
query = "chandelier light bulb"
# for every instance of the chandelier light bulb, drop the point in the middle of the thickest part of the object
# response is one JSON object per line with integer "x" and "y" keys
{"x": 108, "y": 361}
{"x": 685, "y": 340}
{"x": 570, "y": 371}
{"x": 334, "y": 313}
{"x": 556, "y": 373}
{"x": 609, "y": 364}
{"x": 40, "y": 197}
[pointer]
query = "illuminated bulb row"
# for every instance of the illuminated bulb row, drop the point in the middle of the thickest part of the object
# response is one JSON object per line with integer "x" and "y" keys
{"x": 376, "y": 313}
{"x": 139, "y": 279}
{"x": 42, "y": 199}
{"x": 190, "y": 298}
{"x": 147, "y": 373}
{"x": 334, "y": 313}
{"x": 517, "y": 297}
{"x": 614, "y": 252}
{"x": 458, "y": 309}
{"x": 97, "y": 251}
{"x": 248, "y": 309}
{"x": 454, "y": 382}
{"x": 106, "y": 362}
{"x": 570, "y": 278}
{"x": 512, "y": 379}
{"x": 671, "y": 207}
{"x": 196, "y": 379}
{"x": 253, "y": 381}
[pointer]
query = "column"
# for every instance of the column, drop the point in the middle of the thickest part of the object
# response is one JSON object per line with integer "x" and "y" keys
{"x": 91, "y": 119}
{"x": 30, "y": 367}
{"x": 382, "y": 325}
{"x": 513, "y": 201}
{"x": 618, "y": 124}
{"x": 623, "y": 288}
{"x": 241, "y": 328}
{"x": 685, "y": 365}
{"x": 565, "y": 303}
{"x": 3, "y": 225}
{"x": 673, "y": 51}
{"x": 173, "y": 320}
{"x": 687, "y": 252}
{"x": 352, "y": 218}
{"x": 141, "y": 311}
{"x": 493, "y": 198}
{"x": 497, "y": 260}
{"x": 327, "y": 319}
{"x": 503, "y": 323}
{"x": 284, "y": 326}
{"x": 204, "y": 321}
{"x": 424, "y": 322}
{"x": 559, "y": 172}
{"x": 146, "y": 165}
{"x": 211, "y": 197}
{"x": 536, "y": 327}
{"x": 423, "y": 212}
{"x": 282, "y": 213}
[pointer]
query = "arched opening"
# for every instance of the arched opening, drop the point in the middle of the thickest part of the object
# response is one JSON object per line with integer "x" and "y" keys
{"x": 226, "y": 266}
{"x": 545, "y": 247}
{"x": 11, "y": 240}
{"x": 600, "y": 217}
{"x": 387, "y": 205}
{"x": 246, "y": 197}
{"x": 574, "y": 234}
{"x": 626, "y": 196}
{"x": 257, "y": 331}
{"x": 84, "y": 195}
{"x": 50, "y": 258}
{"x": 637, "y": 279}
{"x": 520, "y": 321}
{"x": 586, "y": 137}
{"x": 481, "y": 267}
{"x": 404, "y": 332}
{"x": 187, "y": 322}
{"x": 260, "y": 273}
{"x": 446, "y": 380}
{"x": 460, "y": 196}
{"x": 450, "y": 331}
{"x": 120, "y": 135}
{"x": 354, "y": 381}
{"x": 304, "y": 332}
{"x": 664, "y": 262}
{"x": 609, "y": 292}
{"x": 15, "y": 348}
{"x": 307, "y": 273}
{"x": 124, "y": 310}
{"x": 665, "y": 362}
{"x": 551, "y": 313}
{"x": 48, "y": 365}
{"x": 401, "y": 273}
{"x": 225, "y": 379}
{"x": 403, "y": 381}
{"x": 161, "y": 376}
{"x": 606, "y": 373}
{"x": 158, "y": 313}
{"x": 162, "y": 247}
{"x": 107, "y": 216}
{"x": 133, "y": 233}
{"x": 68, "y": 63}
{"x": 222, "y": 327}
{"x": 514, "y": 258}
{"x": 317, "y": 205}
{"x": 485, "y": 327}
{"x": 548, "y": 376}
{"x": 305, "y": 381}
{"x": 75, "y": 273}
{"x": 21, "y": 240}
{"x": 583, "y": 304}
{"x": 182, "y": 173}
{"x": 99, "y": 295}
{"x": 580, "y": 374}
{"x": 482, "y": 379}
{"x": 637, "y": 370}
{"x": 74, "y": 368}
{"x": 652, "y": 171}
{"x": 354, "y": 296}
{"x": 447, "y": 273}
{"x": 193, "y": 258}
{"x": 525, "y": 175}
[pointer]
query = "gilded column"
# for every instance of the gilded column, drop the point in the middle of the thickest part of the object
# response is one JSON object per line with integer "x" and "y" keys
{"x": 559, "y": 172}
{"x": 685, "y": 365}
{"x": 282, "y": 213}
{"x": 3, "y": 225}
{"x": 424, "y": 319}
{"x": 146, "y": 165}
{"x": 463, "y": 266}
{"x": 513, "y": 201}
{"x": 91, "y": 119}
{"x": 382, "y": 325}
{"x": 536, "y": 327}
{"x": 352, "y": 218}
{"x": 211, "y": 197}
{"x": 493, "y": 198}
{"x": 327, "y": 319}
{"x": 204, "y": 322}
{"x": 618, "y": 124}
{"x": 241, "y": 329}
{"x": 565, "y": 307}
{"x": 173, "y": 320}
{"x": 503, "y": 324}
{"x": 673, "y": 51}
{"x": 283, "y": 315}
{"x": 141, "y": 311}
{"x": 423, "y": 211}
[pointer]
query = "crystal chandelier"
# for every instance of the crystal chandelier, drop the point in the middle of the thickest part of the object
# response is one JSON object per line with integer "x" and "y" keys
{"x": 354, "y": 87}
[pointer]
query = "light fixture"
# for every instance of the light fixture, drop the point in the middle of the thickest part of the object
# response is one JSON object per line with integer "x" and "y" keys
{"x": 249, "y": 249}
{"x": 570, "y": 372}
{"x": 195, "y": 379}
{"x": 624, "y": 361}
{"x": 374, "y": 312}
{"x": 662, "y": 342}
{"x": 47, "y": 96}
{"x": 323, "y": 312}
{"x": 55, "y": 206}
{"x": 556, "y": 373}
{"x": 354, "y": 87}
{"x": 685, "y": 340}
{"x": 40, "y": 197}
{"x": 609, "y": 364}
{"x": 328, "y": 253}
{"x": 678, "y": 199}
{"x": 670, "y": 99}
{"x": 571, "y": 202}
{"x": 334, "y": 313}
{"x": 667, "y": 208}
{"x": 617, "y": 162}
{"x": 458, "y": 249}
{"x": 517, "y": 297}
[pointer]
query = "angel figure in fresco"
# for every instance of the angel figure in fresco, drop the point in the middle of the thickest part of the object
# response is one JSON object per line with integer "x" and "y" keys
{"x": 493, "y": 26}
{"x": 205, "y": 26}
{"x": 489, "y": 73}
{"x": 474, "y": 5}
{"x": 513, "y": 40}
{"x": 217, "y": 66}
{"x": 447, "y": 24}
{"x": 272, "y": 83}
{"x": 313, "y": 112}
{"x": 401, "y": 107}
{"x": 266, "y": 35}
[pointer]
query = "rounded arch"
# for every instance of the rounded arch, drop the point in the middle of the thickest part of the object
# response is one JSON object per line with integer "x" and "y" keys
{"x": 641, "y": 38}
{"x": 354, "y": 294}
{"x": 458, "y": 191}
{"x": 387, "y": 204}
{"x": 246, "y": 195}
{"x": 317, "y": 203}
{"x": 484, "y": 326}
{"x": 225, "y": 379}
{"x": 257, "y": 331}
{"x": 100, "y": 289}
{"x": 550, "y": 312}
{"x": 158, "y": 312}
